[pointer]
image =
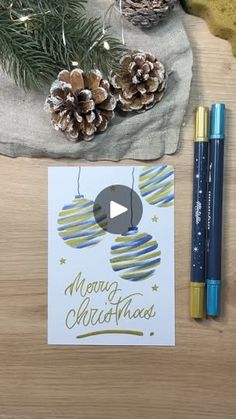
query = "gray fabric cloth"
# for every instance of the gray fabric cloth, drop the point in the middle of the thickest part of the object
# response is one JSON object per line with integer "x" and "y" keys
{"x": 25, "y": 128}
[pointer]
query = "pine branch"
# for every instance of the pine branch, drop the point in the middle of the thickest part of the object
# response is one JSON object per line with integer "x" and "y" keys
{"x": 38, "y": 39}
{"x": 39, "y": 6}
{"x": 85, "y": 42}
{"x": 22, "y": 58}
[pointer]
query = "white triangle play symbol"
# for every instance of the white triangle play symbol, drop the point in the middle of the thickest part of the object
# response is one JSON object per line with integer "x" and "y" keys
{"x": 116, "y": 209}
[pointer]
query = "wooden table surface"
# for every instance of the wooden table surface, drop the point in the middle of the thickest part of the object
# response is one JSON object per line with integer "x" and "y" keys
{"x": 197, "y": 378}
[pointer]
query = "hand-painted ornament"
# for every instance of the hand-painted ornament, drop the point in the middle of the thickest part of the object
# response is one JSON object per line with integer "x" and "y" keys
{"x": 135, "y": 255}
{"x": 77, "y": 224}
{"x": 156, "y": 184}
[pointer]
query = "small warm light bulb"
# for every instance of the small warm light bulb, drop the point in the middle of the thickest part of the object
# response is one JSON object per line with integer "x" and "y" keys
{"x": 74, "y": 63}
{"x": 106, "y": 45}
{"x": 24, "y": 18}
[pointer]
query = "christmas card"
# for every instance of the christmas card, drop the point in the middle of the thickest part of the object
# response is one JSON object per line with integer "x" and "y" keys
{"x": 111, "y": 255}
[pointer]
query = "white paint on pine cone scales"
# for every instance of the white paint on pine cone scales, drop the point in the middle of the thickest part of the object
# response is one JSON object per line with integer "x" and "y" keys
{"x": 146, "y": 13}
{"x": 141, "y": 82}
{"x": 81, "y": 104}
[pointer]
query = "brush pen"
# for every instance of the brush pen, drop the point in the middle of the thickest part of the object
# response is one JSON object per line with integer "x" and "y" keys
{"x": 215, "y": 197}
{"x": 199, "y": 213}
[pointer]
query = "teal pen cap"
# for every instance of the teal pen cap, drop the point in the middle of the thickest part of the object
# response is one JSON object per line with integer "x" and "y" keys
{"x": 217, "y": 131}
{"x": 213, "y": 297}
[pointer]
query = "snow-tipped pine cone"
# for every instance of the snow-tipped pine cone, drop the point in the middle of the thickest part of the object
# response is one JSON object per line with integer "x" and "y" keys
{"x": 146, "y": 13}
{"x": 81, "y": 104}
{"x": 140, "y": 83}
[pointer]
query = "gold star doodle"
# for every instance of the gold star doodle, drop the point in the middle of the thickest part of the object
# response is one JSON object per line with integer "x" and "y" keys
{"x": 62, "y": 261}
{"x": 155, "y": 219}
{"x": 155, "y": 287}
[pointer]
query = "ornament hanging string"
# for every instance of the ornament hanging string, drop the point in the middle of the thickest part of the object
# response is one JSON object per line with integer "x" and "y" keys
{"x": 131, "y": 198}
{"x": 78, "y": 181}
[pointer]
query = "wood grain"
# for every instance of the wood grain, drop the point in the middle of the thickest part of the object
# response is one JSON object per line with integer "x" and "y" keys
{"x": 195, "y": 379}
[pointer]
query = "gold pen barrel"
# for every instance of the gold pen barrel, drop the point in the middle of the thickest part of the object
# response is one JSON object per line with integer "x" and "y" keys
{"x": 202, "y": 124}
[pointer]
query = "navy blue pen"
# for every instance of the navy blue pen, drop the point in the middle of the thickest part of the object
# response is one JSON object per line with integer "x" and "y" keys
{"x": 215, "y": 200}
{"x": 199, "y": 214}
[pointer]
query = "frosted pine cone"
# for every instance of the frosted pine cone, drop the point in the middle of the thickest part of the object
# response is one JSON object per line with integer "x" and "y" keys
{"x": 141, "y": 82}
{"x": 81, "y": 104}
{"x": 146, "y": 13}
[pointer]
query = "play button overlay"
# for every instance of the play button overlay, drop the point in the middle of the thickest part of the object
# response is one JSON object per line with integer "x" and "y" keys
{"x": 116, "y": 209}
{"x": 122, "y": 207}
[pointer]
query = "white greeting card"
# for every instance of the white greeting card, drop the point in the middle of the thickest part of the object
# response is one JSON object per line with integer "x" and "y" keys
{"x": 105, "y": 288}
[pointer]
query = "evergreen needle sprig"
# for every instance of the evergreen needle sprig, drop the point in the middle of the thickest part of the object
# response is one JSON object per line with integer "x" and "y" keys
{"x": 38, "y": 39}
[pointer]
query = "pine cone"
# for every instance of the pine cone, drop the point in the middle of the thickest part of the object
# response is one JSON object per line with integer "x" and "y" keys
{"x": 146, "y": 13}
{"x": 81, "y": 105}
{"x": 141, "y": 82}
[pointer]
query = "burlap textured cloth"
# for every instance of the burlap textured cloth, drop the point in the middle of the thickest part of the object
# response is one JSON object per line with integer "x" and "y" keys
{"x": 25, "y": 128}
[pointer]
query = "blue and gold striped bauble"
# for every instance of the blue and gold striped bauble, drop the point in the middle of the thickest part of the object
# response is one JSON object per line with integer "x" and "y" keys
{"x": 77, "y": 224}
{"x": 135, "y": 255}
{"x": 156, "y": 184}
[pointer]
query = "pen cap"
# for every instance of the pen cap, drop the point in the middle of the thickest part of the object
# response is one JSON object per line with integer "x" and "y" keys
{"x": 217, "y": 131}
{"x": 197, "y": 291}
{"x": 213, "y": 297}
{"x": 202, "y": 124}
